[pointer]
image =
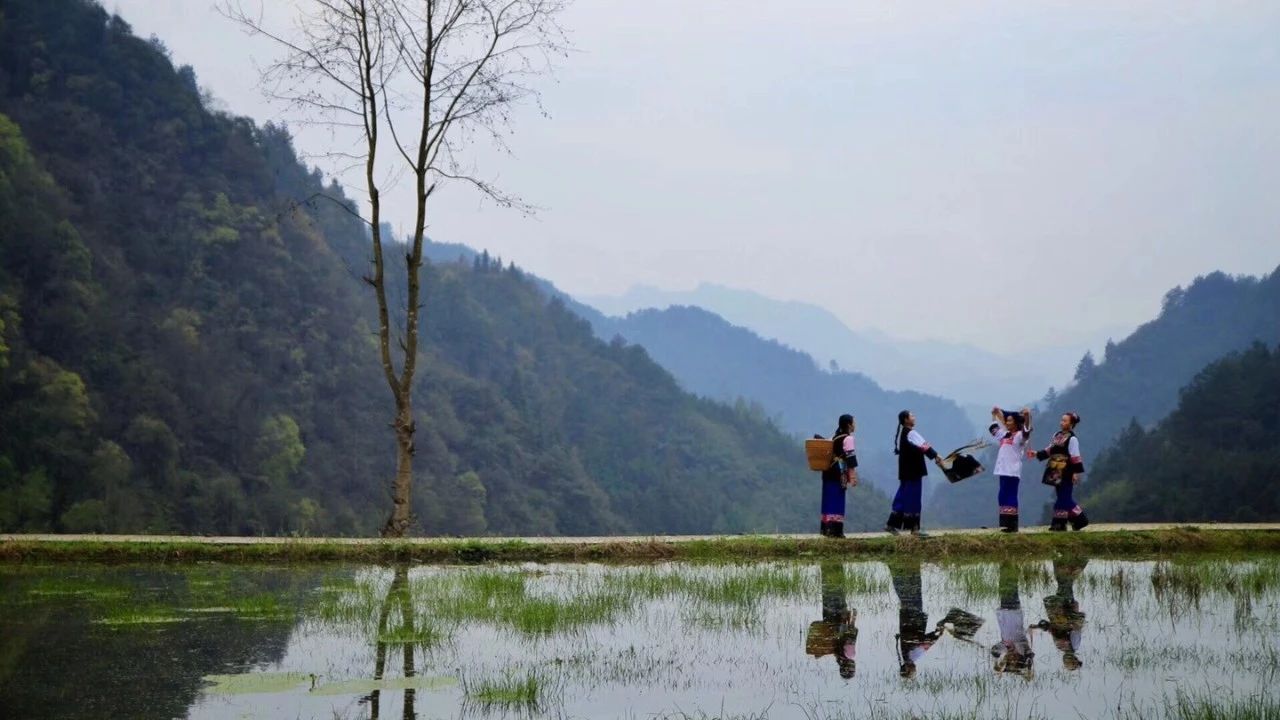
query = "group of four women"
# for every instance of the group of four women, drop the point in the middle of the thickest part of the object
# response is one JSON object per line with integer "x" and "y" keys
{"x": 1012, "y": 432}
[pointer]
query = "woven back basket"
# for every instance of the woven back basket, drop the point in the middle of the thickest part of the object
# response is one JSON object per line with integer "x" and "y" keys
{"x": 820, "y": 453}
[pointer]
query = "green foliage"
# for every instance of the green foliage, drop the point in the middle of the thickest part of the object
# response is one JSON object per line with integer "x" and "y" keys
{"x": 280, "y": 449}
{"x": 1216, "y": 457}
{"x": 86, "y": 516}
{"x": 111, "y": 467}
{"x": 155, "y": 446}
{"x": 1140, "y": 377}
{"x": 4, "y": 346}
{"x": 60, "y": 397}
{"x": 25, "y": 499}
{"x": 184, "y": 324}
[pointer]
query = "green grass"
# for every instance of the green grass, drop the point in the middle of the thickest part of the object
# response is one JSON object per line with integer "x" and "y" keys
{"x": 1191, "y": 581}
{"x": 977, "y": 688}
{"x": 1116, "y": 584}
{"x": 156, "y": 594}
{"x": 1148, "y": 656}
{"x": 745, "y": 588}
{"x": 545, "y": 616}
{"x": 865, "y": 579}
{"x": 495, "y": 586}
{"x": 262, "y": 606}
{"x": 423, "y": 634}
{"x": 141, "y": 615}
{"x": 704, "y": 715}
{"x": 528, "y": 693}
{"x": 1036, "y": 577}
{"x": 973, "y": 582}
{"x": 536, "y": 603}
{"x": 1208, "y": 706}
{"x": 76, "y": 587}
{"x": 870, "y": 710}
{"x": 1093, "y": 543}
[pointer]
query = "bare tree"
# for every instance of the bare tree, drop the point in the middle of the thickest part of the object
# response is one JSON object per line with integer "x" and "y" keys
{"x": 434, "y": 75}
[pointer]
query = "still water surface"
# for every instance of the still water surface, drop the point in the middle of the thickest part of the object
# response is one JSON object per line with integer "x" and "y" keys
{"x": 1065, "y": 638}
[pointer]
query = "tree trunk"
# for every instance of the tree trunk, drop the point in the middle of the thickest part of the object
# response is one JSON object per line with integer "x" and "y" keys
{"x": 401, "y": 487}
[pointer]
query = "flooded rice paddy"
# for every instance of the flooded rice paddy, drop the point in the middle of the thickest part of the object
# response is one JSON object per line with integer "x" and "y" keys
{"x": 1065, "y": 638}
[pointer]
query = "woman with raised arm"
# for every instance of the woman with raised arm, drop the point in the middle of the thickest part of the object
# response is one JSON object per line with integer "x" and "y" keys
{"x": 842, "y": 474}
{"x": 912, "y": 449}
{"x": 1011, "y": 433}
{"x": 1064, "y": 471}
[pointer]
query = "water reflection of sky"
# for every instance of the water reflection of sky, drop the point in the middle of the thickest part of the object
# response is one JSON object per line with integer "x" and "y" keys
{"x": 786, "y": 640}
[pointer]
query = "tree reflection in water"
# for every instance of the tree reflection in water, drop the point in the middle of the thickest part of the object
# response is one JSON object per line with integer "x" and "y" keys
{"x": 397, "y": 606}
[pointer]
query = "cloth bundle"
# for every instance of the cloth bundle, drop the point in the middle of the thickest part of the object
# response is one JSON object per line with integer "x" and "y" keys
{"x": 959, "y": 464}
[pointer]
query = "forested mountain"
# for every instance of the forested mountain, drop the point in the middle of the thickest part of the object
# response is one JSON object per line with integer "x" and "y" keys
{"x": 718, "y": 360}
{"x": 1139, "y": 377}
{"x": 1216, "y": 457}
{"x": 186, "y": 348}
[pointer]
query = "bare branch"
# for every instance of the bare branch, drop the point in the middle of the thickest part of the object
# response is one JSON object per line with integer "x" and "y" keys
{"x": 452, "y": 70}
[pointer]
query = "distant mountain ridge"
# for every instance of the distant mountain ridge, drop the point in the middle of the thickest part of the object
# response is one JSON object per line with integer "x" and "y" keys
{"x": 714, "y": 358}
{"x": 966, "y": 373}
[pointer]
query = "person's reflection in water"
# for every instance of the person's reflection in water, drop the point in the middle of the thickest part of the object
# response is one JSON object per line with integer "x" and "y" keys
{"x": 1066, "y": 622}
{"x": 837, "y": 632}
{"x": 914, "y": 636}
{"x": 1013, "y": 652}
{"x": 399, "y": 602}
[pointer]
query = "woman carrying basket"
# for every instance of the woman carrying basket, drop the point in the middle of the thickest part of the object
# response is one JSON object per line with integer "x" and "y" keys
{"x": 840, "y": 475}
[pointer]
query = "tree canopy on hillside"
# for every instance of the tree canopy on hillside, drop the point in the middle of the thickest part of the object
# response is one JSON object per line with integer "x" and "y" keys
{"x": 1140, "y": 376}
{"x": 1215, "y": 457}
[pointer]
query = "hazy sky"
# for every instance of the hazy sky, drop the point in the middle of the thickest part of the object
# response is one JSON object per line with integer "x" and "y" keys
{"x": 897, "y": 162}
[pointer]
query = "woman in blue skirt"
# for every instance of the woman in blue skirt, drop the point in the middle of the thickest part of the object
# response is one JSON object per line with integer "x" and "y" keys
{"x": 835, "y": 479}
{"x": 1063, "y": 471}
{"x": 912, "y": 450}
{"x": 1012, "y": 439}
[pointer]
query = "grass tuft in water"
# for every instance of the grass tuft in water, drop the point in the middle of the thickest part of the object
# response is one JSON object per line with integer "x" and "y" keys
{"x": 125, "y": 614}
{"x": 973, "y": 582}
{"x": 865, "y": 579}
{"x": 1207, "y": 706}
{"x": 1192, "y": 580}
{"x": 265, "y": 606}
{"x": 424, "y": 635}
{"x": 527, "y": 693}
